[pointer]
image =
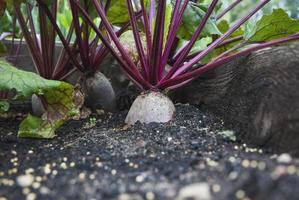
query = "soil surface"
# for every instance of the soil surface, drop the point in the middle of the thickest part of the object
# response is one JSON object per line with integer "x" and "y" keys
{"x": 192, "y": 157}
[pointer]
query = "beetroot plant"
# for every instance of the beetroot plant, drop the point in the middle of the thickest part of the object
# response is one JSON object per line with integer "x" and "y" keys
{"x": 164, "y": 65}
{"x": 90, "y": 49}
{"x": 59, "y": 101}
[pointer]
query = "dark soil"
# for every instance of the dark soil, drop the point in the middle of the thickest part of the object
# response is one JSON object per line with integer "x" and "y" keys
{"x": 155, "y": 161}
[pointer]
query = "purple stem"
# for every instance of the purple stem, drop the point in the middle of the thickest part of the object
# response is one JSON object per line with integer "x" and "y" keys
{"x": 59, "y": 33}
{"x": 177, "y": 18}
{"x": 128, "y": 67}
{"x": 137, "y": 39}
{"x": 148, "y": 31}
{"x": 184, "y": 53}
{"x": 204, "y": 53}
{"x": 157, "y": 50}
{"x": 119, "y": 46}
{"x": 213, "y": 64}
{"x": 31, "y": 43}
{"x": 152, "y": 13}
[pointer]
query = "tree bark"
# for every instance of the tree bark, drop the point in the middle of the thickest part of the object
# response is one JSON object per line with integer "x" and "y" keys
{"x": 257, "y": 96}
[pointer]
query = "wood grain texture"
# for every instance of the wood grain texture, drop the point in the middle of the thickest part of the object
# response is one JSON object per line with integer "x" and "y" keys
{"x": 257, "y": 96}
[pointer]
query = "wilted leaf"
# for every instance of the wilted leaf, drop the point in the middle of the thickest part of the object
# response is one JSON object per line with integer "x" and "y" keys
{"x": 61, "y": 100}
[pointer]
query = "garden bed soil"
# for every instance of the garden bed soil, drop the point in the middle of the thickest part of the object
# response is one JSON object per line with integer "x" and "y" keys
{"x": 192, "y": 155}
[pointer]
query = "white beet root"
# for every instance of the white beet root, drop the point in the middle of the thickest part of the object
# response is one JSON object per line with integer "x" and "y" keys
{"x": 151, "y": 107}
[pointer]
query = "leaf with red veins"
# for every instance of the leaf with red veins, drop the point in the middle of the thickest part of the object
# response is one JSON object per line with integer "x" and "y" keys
{"x": 61, "y": 100}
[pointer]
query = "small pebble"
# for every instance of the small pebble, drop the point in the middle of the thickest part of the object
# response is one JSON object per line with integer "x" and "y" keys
{"x": 284, "y": 158}
{"x": 150, "y": 196}
{"x": 31, "y": 196}
{"x": 197, "y": 191}
{"x": 25, "y": 180}
{"x": 139, "y": 179}
{"x": 113, "y": 172}
{"x": 240, "y": 194}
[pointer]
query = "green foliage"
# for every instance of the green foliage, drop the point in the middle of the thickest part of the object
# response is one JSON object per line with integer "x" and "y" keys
{"x": 191, "y": 19}
{"x": 60, "y": 99}
{"x": 291, "y": 6}
{"x": 273, "y": 26}
{"x": 118, "y": 12}
{"x": 200, "y": 45}
{"x": 4, "y": 106}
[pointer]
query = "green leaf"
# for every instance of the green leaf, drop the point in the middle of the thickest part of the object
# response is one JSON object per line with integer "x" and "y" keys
{"x": 35, "y": 127}
{"x": 192, "y": 17}
{"x": 270, "y": 27}
{"x": 224, "y": 26}
{"x": 198, "y": 46}
{"x": 168, "y": 15}
{"x": 61, "y": 100}
{"x": 118, "y": 12}
{"x": 4, "y": 106}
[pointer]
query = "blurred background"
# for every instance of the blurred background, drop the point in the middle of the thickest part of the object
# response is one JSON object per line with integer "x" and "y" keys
{"x": 65, "y": 17}
{"x": 292, "y": 6}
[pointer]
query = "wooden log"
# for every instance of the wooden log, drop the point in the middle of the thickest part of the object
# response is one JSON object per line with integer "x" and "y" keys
{"x": 257, "y": 96}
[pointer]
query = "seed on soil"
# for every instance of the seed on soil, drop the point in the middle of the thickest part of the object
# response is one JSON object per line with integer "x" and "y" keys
{"x": 291, "y": 169}
{"x": 139, "y": 179}
{"x": 38, "y": 179}
{"x": 232, "y": 159}
{"x": 29, "y": 171}
{"x": 113, "y": 172}
{"x": 216, "y": 188}
{"x": 26, "y": 191}
{"x": 72, "y": 164}
{"x": 82, "y": 176}
{"x": 233, "y": 175}
{"x": 47, "y": 169}
{"x": 63, "y": 165}
{"x": 25, "y": 180}
{"x": 36, "y": 185}
{"x": 54, "y": 172}
{"x": 240, "y": 194}
{"x": 92, "y": 176}
{"x": 31, "y": 196}
{"x": 197, "y": 191}
{"x": 245, "y": 163}
{"x": 12, "y": 171}
{"x": 284, "y": 158}
{"x": 44, "y": 190}
{"x": 150, "y": 196}
{"x": 7, "y": 182}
